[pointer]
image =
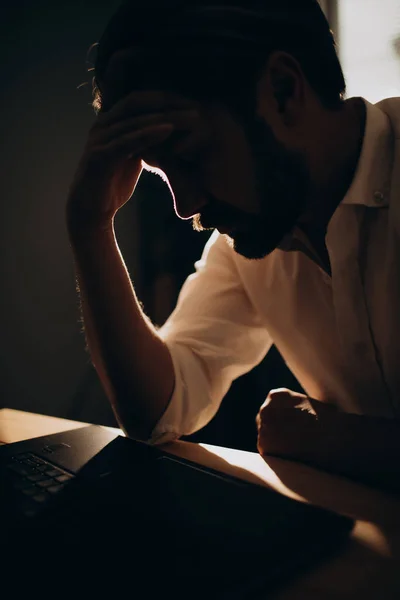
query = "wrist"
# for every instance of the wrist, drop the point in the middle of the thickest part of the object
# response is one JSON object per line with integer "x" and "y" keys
{"x": 82, "y": 226}
{"x": 93, "y": 233}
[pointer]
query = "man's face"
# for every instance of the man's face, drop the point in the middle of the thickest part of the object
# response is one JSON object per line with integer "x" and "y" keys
{"x": 236, "y": 177}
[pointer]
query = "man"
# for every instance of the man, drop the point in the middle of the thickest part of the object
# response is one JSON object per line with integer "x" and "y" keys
{"x": 240, "y": 107}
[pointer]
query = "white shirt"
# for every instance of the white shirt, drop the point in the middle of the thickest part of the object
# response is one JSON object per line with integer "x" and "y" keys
{"x": 338, "y": 334}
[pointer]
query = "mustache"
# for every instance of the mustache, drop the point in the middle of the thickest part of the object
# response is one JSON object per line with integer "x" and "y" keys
{"x": 217, "y": 213}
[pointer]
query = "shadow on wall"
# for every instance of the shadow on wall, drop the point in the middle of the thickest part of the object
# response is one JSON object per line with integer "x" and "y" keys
{"x": 45, "y": 119}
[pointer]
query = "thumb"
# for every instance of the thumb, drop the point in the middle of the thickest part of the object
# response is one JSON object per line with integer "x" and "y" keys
{"x": 285, "y": 398}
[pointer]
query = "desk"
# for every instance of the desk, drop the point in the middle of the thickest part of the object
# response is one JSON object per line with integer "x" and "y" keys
{"x": 367, "y": 569}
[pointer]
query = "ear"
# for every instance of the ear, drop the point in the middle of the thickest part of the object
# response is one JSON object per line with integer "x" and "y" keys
{"x": 281, "y": 89}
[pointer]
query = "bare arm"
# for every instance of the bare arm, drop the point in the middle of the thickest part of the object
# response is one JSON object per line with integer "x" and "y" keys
{"x": 133, "y": 364}
{"x": 363, "y": 448}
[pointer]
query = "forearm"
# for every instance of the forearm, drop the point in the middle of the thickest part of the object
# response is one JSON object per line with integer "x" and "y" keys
{"x": 363, "y": 448}
{"x": 367, "y": 449}
{"x": 133, "y": 363}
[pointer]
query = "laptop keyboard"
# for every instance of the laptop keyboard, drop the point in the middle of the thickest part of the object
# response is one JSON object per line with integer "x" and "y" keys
{"x": 34, "y": 481}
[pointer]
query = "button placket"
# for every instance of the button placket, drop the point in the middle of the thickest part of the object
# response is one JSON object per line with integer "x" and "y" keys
{"x": 359, "y": 360}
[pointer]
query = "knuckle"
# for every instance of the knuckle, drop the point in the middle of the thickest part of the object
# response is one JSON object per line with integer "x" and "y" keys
{"x": 152, "y": 119}
{"x": 280, "y": 397}
{"x": 263, "y": 414}
{"x": 279, "y": 392}
{"x": 271, "y": 414}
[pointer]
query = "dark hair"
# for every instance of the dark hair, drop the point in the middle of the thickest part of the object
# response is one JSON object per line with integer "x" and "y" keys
{"x": 215, "y": 50}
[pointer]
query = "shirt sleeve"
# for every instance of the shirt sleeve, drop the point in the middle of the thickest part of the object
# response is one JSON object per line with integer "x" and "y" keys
{"x": 214, "y": 335}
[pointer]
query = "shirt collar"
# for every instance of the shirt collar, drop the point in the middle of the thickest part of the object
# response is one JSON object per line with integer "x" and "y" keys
{"x": 371, "y": 182}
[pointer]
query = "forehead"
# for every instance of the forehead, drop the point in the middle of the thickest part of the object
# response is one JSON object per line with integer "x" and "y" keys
{"x": 142, "y": 69}
{"x": 138, "y": 69}
{"x": 123, "y": 72}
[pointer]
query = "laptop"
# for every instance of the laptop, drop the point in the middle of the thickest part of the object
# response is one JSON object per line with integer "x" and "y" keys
{"x": 115, "y": 503}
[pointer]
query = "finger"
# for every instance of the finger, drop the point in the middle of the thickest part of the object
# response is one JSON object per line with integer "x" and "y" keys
{"x": 137, "y": 142}
{"x": 191, "y": 144}
{"x": 283, "y": 404}
{"x": 290, "y": 432}
{"x": 181, "y": 119}
{"x": 279, "y": 396}
{"x": 121, "y": 65}
{"x": 186, "y": 145}
{"x": 133, "y": 53}
{"x": 285, "y": 398}
{"x": 142, "y": 102}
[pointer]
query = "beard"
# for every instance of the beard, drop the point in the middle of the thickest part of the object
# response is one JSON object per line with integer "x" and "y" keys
{"x": 282, "y": 184}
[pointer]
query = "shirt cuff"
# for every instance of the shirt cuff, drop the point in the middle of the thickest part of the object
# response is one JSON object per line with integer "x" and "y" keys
{"x": 168, "y": 427}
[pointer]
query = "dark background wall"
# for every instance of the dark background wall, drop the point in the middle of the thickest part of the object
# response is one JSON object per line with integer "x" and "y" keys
{"x": 45, "y": 117}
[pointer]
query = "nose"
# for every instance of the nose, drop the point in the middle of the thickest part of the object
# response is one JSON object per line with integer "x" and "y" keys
{"x": 187, "y": 205}
{"x": 186, "y": 193}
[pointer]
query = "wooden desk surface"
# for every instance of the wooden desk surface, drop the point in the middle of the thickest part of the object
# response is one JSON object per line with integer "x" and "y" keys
{"x": 367, "y": 569}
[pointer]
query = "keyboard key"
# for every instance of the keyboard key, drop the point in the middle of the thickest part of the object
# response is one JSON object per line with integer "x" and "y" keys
{"x": 22, "y": 484}
{"x": 30, "y": 491}
{"x": 45, "y": 483}
{"x": 63, "y": 478}
{"x": 37, "y": 477}
{"x": 35, "y": 462}
{"x": 42, "y": 468}
{"x": 54, "y": 472}
{"x": 20, "y": 469}
{"x": 29, "y": 462}
{"x": 39, "y": 461}
{"x": 54, "y": 489}
{"x": 40, "y": 498}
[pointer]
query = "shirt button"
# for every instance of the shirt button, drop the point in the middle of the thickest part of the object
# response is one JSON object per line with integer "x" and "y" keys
{"x": 379, "y": 197}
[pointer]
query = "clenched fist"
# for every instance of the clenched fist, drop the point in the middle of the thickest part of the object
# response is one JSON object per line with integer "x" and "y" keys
{"x": 291, "y": 425}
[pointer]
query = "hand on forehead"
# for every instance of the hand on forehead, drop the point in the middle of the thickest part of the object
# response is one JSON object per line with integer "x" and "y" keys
{"x": 125, "y": 73}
